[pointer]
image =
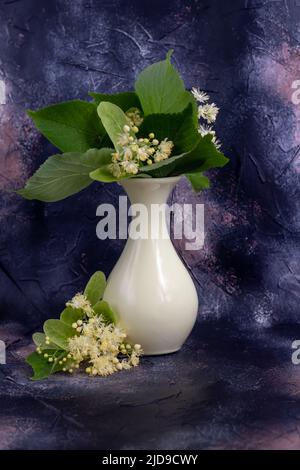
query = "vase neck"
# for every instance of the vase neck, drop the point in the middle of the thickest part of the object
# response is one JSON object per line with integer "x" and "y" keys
{"x": 149, "y": 191}
{"x": 149, "y": 197}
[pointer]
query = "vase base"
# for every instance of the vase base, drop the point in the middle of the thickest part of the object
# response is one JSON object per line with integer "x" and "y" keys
{"x": 161, "y": 353}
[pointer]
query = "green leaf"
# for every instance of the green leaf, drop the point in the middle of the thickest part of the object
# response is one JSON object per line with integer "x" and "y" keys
{"x": 72, "y": 126}
{"x": 39, "y": 340}
{"x": 40, "y": 365}
{"x": 104, "y": 309}
{"x": 161, "y": 90}
{"x": 125, "y": 101}
{"x": 201, "y": 158}
{"x": 95, "y": 287}
{"x": 70, "y": 315}
{"x": 63, "y": 175}
{"x": 178, "y": 127}
{"x": 114, "y": 120}
{"x": 198, "y": 181}
{"x": 59, "y": 332}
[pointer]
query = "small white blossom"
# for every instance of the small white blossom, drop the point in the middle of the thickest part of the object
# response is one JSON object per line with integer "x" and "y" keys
{"x": 135, "y": 116}
{"x": 166, "y": 147}
{"x": 124, "y": 139}
{"x": 127, "y": 154}
{"x": 159, "y": 156}
{"x": 134, "y": 359}
{"x": 216, "y": 142}
{"x": 79, "y": 301}
{"x": 199, "y": 95}
{"x": 205, "y": 130}
{"x": 208, "y": 112}
{"x": 115, "y": 170}
{"x": 208, "y": 130}
{"x": 130, "y": 167}
{"x": 143, "y": 154}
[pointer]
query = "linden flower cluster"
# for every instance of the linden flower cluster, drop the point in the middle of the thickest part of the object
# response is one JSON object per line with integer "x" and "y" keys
{"x": 135, "y": 117}
{"x": 207, "y": 112}
{"x": 137, "y": 152}
{"x": 101, "y": 346}
{"x": 79, "y": 301}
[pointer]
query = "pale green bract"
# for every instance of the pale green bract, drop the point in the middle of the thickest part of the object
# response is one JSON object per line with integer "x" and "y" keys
{"x": 114, "y": 120}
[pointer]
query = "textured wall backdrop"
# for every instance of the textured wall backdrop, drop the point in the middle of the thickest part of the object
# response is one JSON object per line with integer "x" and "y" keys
{"x": 246, "y": 55}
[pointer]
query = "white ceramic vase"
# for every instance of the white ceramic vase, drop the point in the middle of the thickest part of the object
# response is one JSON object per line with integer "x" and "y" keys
{"x": 149, "y": 287}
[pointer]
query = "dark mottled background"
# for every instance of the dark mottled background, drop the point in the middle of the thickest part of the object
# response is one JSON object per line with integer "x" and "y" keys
{"x": 246, "y": 55}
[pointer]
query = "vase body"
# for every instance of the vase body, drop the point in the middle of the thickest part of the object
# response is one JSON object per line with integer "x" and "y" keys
{"x": 149, "y": 288}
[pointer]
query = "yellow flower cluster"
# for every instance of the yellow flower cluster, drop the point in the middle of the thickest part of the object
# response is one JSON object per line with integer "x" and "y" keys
{"x": 136, "y": 152}
{"x": 135, "y": 117}
{"x": 103, "y": 347}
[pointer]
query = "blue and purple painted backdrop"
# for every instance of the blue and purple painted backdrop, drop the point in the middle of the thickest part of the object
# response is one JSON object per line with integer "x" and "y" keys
{"x": 246, "y": 55}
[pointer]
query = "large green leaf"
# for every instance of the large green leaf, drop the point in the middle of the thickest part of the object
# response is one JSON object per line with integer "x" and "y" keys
{"x": 161, "y": 90}
{"x": 178, "y": 127}
{"x": 201, "y": 158}
{"x": 125, "y": 101}
{"x": 103, "y": 308}
{"x": 198, "y": 181}
{"x": 72, "y": 126}
{"x": 114, "y": 120}
{"x": 59, "y": 332}
{"x": 95, "y": 287}
{"x": 63, "y": 175}
{"x": 40, "y": 365}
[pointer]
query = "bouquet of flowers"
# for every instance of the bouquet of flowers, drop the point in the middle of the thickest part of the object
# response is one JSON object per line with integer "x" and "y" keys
{"x": 159, "y": 130}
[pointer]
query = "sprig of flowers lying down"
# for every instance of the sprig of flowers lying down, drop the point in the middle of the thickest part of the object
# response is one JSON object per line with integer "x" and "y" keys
{"x": 86, "y": 335}
{"x": 159, "y": 130}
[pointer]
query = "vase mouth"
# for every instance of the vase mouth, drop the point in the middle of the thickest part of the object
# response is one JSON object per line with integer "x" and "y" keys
{"x": 167, "y": 180}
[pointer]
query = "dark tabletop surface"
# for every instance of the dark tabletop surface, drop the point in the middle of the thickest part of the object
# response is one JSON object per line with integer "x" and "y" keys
{"x": 226, "y": 389}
